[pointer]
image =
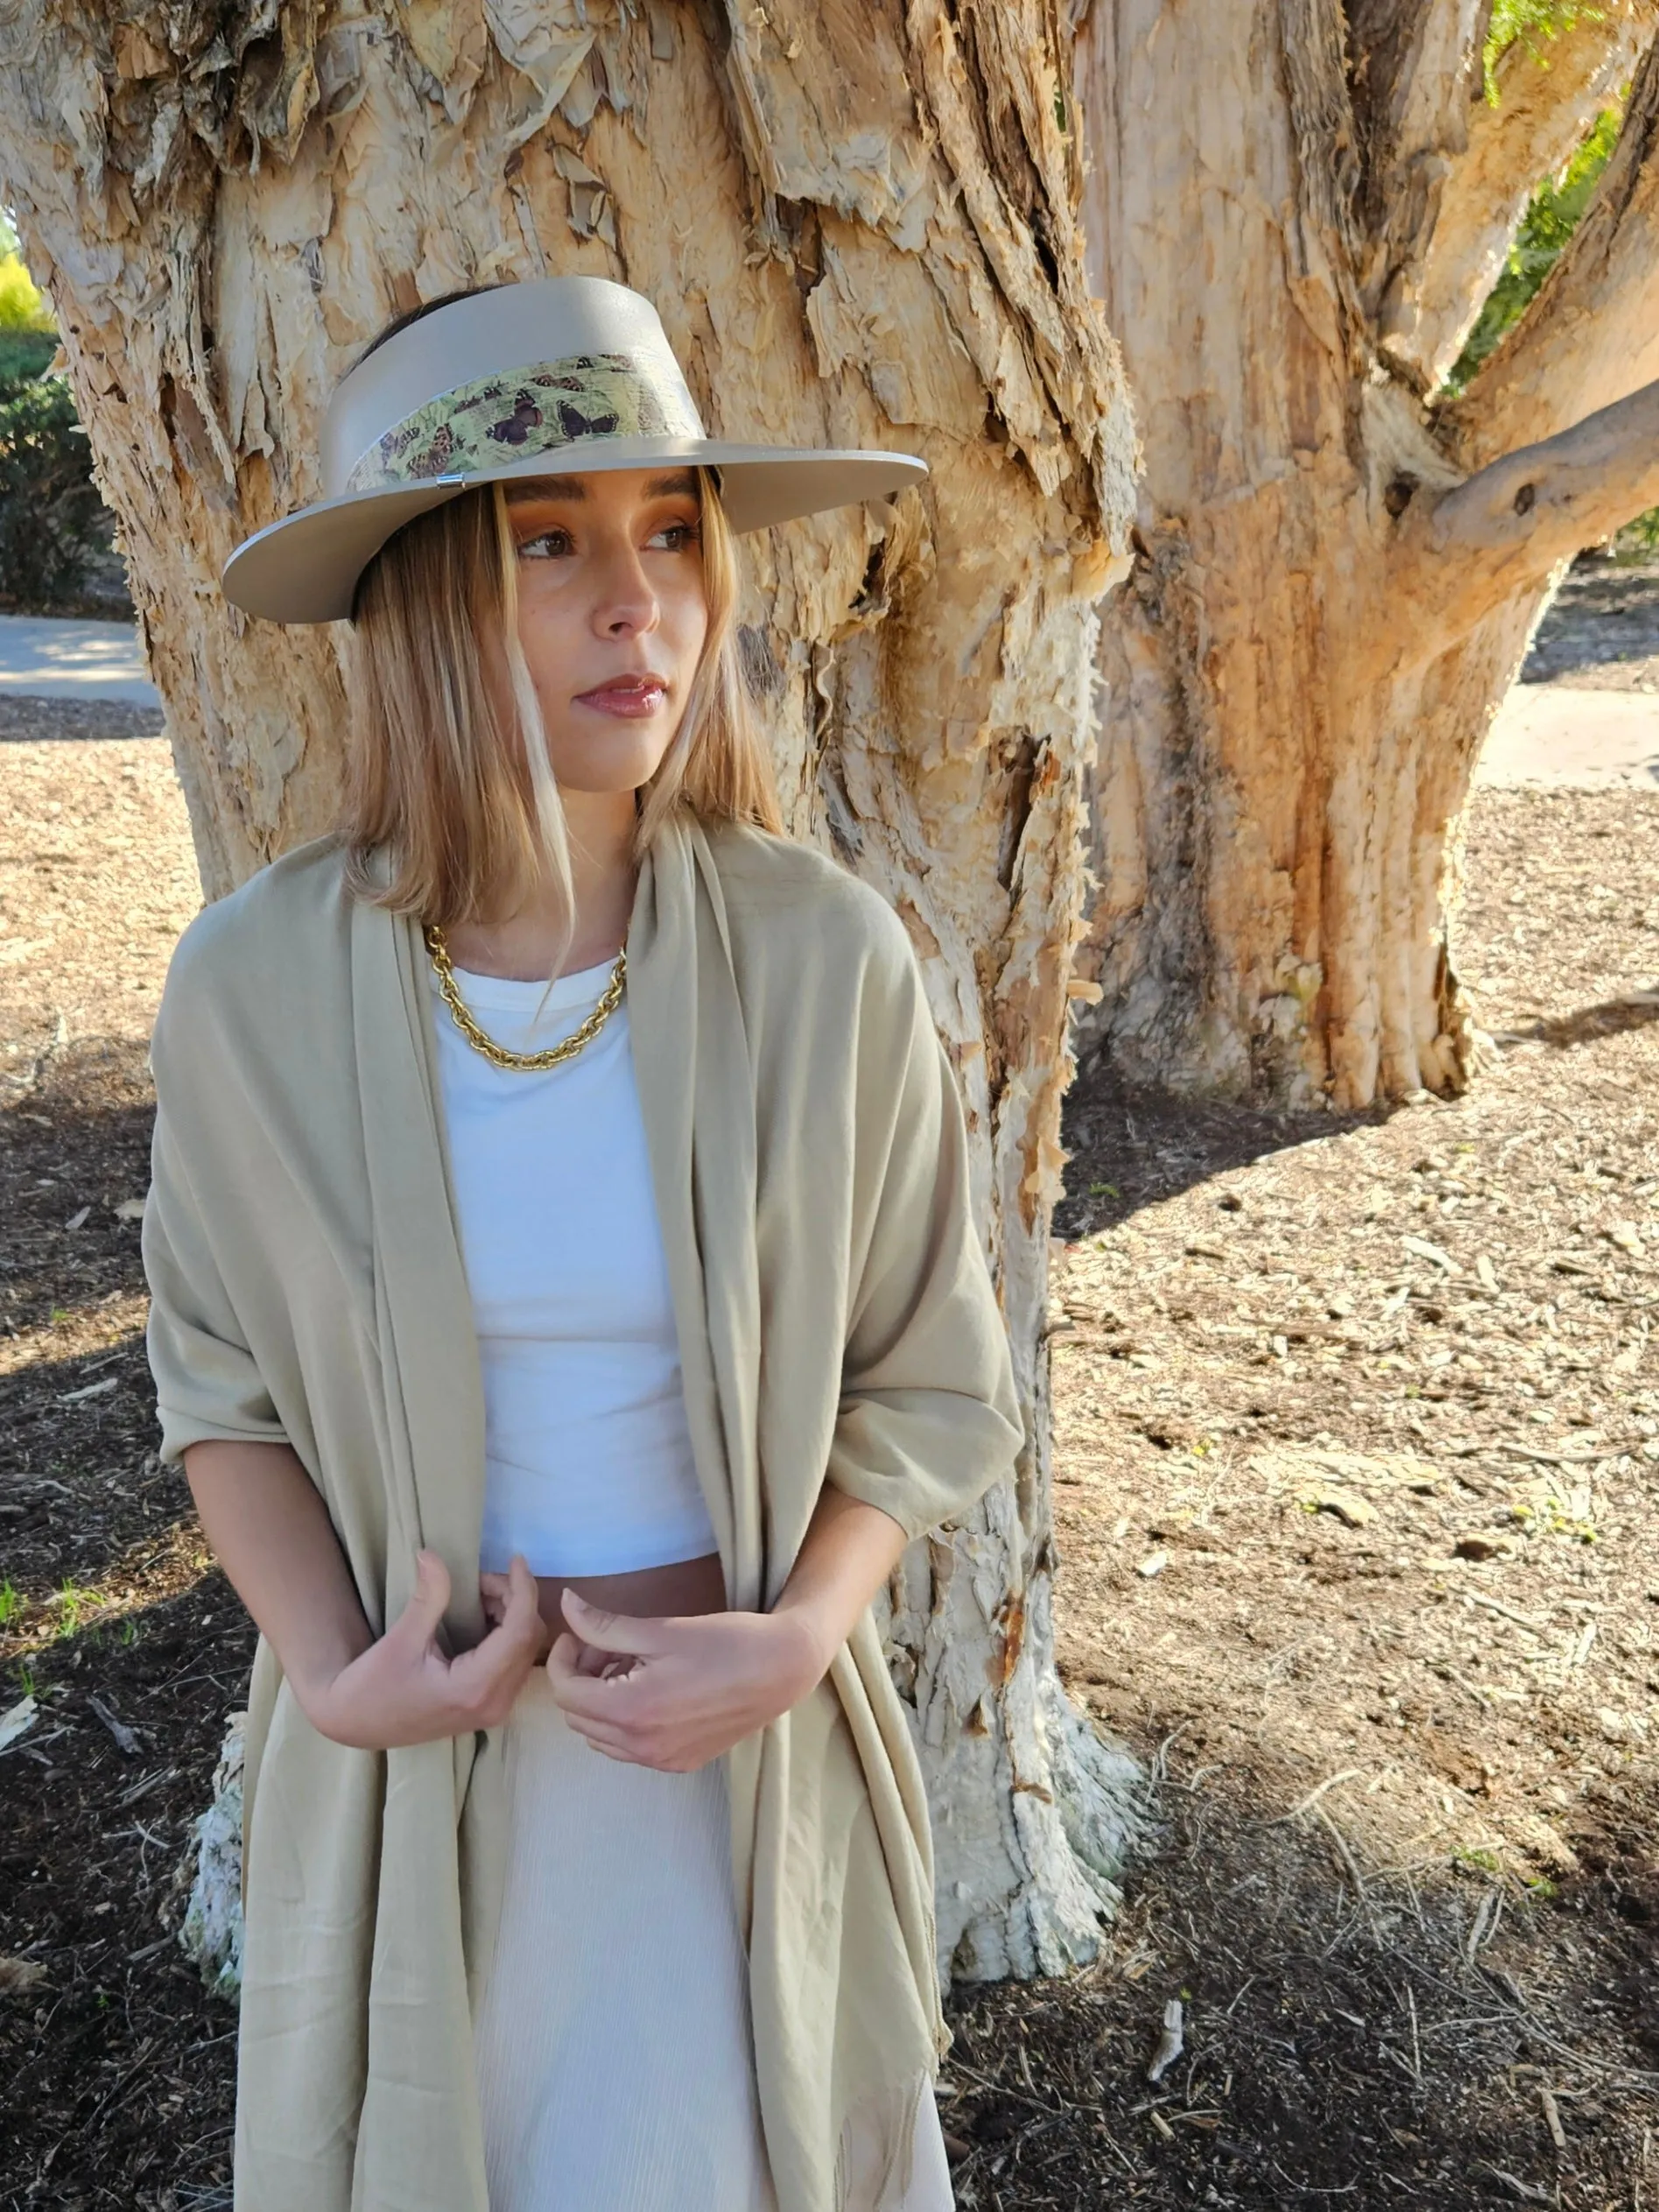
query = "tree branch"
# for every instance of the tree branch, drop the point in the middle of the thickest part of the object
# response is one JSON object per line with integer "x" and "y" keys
{"x": 1505, "y": 528}
{"x": 1550, "y": 93}
{"x": 1593, "y": 333}
{"x": 1416, "y": 75}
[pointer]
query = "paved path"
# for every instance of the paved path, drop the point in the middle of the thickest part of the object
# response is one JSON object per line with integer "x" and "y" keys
{"x": 44, "y": 658}
{"x": 1555, "y": 735}
{"x": 1544, "y": 734}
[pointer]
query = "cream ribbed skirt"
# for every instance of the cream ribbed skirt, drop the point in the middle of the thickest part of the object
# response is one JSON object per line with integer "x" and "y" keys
{"x": 615, "y": 2068}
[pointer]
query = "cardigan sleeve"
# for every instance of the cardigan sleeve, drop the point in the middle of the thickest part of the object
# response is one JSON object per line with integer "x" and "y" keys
{"x": 929, "y": 1418}
{"x": 208, "y": 1383}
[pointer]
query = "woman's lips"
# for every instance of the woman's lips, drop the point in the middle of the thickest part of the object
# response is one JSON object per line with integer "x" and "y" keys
{"x": 632, "y": 702}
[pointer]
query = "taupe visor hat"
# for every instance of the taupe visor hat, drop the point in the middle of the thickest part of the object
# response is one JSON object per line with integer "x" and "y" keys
{"x": 562, "y": 376}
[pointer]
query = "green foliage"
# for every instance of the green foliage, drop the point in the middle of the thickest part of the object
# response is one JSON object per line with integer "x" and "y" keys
{"x": 74, "y": 1600}
{"x": 1639, "y": 540}
{"x": 1552, "y": 217}
{"x": 12, "y": 1601}
{"x": 23, "y": 304}
{"x": 24, "y": 355}
{"x": 1478, "y": 1860}
{"x": 1531, "y": 23}
{"x": 49, "y": 506}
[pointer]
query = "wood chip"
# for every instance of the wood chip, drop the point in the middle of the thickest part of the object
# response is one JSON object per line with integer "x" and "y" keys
{"x": 1478, "y": 1546}
{"x": 1423, "y": 1250}
{"x": 19, "y": 1975}
{"x": 1552, "y": 2116}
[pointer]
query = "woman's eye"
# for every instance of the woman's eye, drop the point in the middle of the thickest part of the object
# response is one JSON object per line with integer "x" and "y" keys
{"x": 550, "y": 543}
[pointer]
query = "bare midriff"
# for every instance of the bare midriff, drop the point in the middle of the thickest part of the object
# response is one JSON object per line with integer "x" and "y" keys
{"x": 684, "y": 1586}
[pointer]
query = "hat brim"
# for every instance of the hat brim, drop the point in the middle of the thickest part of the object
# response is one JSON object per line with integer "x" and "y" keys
{"x": 304, "y": 567}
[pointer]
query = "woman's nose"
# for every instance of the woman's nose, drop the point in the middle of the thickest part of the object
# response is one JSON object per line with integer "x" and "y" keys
{"x": 624, "y": 599}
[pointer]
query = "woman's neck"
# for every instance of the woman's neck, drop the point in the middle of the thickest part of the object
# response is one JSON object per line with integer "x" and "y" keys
{"x": 600, "y": 829}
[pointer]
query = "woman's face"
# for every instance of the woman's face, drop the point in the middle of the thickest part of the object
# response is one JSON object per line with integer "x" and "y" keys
{"x": 612, "y": 616}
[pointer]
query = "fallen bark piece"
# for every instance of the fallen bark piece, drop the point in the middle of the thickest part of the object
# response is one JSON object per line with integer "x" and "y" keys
{"x": 1171, "y": 2039}
{"x": 1356, "y": 1513}
{"x": 126, "y": 1739}
{"x": 17, "y": 1720}
{"x": 1524, "y": 2189}
{"x": 92, "y": 1389}
{"x": 19, "y": 1975}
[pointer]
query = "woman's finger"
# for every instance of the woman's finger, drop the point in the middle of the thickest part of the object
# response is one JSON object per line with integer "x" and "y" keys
{"x": 591, "y": 1698}
{"x": 500, "y": 1662}
{"x": 521, "y": 1614}
{"x": 428, "y": 1601}
{"x": 644, "y": 1637}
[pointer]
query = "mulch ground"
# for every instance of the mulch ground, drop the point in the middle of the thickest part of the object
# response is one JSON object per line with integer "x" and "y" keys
{"x": 1357, "y": 1500}
{"x": 1357, "y": 1435}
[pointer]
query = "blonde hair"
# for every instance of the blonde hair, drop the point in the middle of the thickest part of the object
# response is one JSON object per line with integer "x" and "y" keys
{"x": 447, "y": 765}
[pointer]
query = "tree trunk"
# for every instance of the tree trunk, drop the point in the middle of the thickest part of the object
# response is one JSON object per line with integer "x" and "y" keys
{"x": 859, "y": 224}
{"x": 1335, "y": 577}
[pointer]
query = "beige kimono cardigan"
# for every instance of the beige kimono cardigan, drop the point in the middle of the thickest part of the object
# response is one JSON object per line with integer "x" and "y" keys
{"x": 836, "y": 1320}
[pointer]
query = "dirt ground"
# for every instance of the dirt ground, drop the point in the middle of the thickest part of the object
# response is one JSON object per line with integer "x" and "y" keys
{"x": 1601, "y": 633}
{"x": 1356, "y": 1447}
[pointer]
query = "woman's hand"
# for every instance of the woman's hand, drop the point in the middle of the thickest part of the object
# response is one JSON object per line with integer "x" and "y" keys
{"x": 675, "y": 1694}
{"x": 403, "y": 1690}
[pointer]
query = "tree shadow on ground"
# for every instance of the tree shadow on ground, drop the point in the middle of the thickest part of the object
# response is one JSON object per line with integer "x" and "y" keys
{"x": 119, "y": 2067}
{"x": 1131, "y": 1145}
{"x": 1588, "y": 1024}
{"x": 25, "y": 721}
{"x": 1602, "y": 616}
{"x": 1346, "y": 2034}
{"x": 74, "y": 1135}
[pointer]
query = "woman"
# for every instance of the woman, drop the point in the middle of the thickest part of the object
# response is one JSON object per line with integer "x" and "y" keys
{"x": 559, "y": 1367}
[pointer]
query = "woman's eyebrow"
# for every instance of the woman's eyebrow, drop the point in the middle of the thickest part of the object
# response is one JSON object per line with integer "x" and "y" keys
{"x": 572, "y": 488}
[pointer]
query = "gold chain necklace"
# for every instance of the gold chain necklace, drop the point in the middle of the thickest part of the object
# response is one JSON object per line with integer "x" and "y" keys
{"x": 498, "y": 1055}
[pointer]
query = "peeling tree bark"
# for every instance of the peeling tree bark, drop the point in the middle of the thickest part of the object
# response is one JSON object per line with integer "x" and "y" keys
{"x": 1334, "y": 578}
{"x": 860, "y": 224}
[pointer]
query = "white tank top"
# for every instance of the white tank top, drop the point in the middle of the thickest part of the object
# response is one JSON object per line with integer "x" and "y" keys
{"x": 589, "y": 1466}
